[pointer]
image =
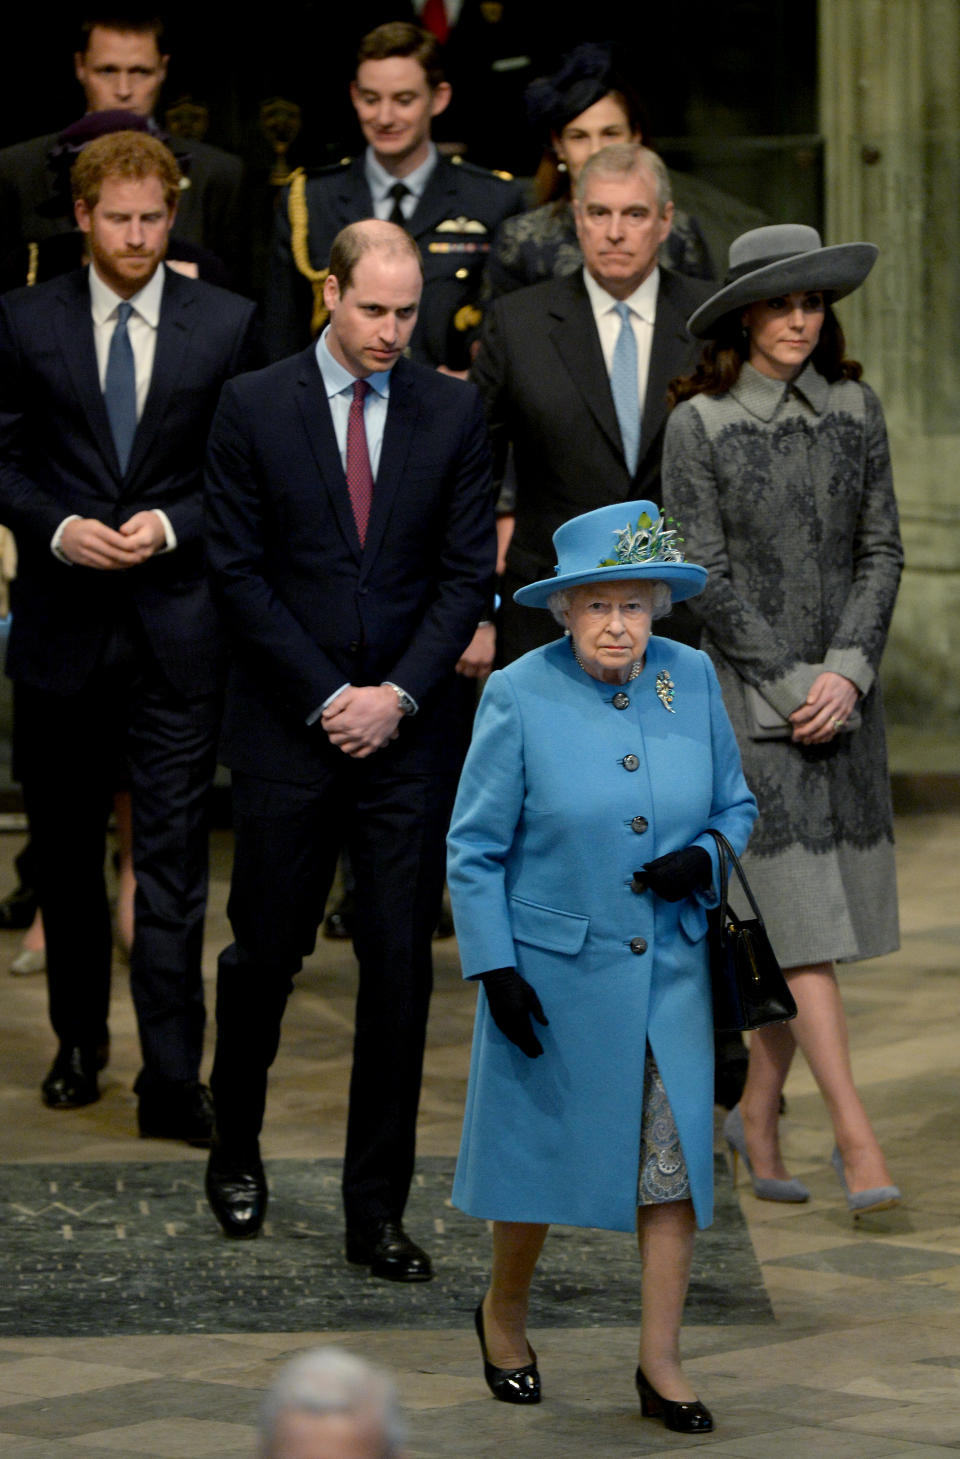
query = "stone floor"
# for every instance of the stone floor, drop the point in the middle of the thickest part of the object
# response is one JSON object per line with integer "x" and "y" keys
{"x": 852, "y": 1350}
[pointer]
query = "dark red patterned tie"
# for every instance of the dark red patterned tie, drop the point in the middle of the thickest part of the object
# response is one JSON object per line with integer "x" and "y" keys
{"x": 359, "y": 475}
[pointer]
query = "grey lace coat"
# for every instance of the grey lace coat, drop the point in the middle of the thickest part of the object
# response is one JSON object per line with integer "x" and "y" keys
{"x": 784, "y": 493}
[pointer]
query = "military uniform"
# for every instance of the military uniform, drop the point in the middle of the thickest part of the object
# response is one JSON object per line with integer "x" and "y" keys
{"x": 454, "y": 223}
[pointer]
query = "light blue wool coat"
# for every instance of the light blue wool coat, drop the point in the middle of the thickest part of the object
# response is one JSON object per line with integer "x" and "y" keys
{"x": 542, "y": 849}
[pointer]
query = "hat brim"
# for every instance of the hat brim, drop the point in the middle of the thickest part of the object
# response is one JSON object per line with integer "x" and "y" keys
{"x": 684, "y": 579}
{"x": 837, "y": 270}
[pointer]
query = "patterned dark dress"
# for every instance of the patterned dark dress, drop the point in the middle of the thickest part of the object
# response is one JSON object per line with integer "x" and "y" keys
{"x": 542, "y": 244}
{"x": 784, "y": 493}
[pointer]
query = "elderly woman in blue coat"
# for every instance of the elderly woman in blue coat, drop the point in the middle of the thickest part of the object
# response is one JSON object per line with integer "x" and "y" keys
{"x": 580, "y": 871}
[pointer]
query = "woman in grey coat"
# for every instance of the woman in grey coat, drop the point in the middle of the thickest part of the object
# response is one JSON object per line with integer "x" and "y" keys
{"x": 776, "y": 465}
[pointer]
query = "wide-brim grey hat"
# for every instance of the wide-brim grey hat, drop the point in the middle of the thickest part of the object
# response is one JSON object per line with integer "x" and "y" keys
{"x": 784, "y": 258}
{"x": 628, "y": 540}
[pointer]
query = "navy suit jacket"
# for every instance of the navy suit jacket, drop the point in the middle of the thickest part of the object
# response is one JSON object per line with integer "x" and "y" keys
{"x": 306, "y": 607}
{"x": 57, "y": 458}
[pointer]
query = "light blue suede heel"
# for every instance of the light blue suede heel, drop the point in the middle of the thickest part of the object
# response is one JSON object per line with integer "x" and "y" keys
{"x": 880, "y": 1198}
{"x": 763, "y": 1189}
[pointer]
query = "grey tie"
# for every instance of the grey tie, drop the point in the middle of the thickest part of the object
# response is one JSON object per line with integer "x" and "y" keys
{"x": 120, "y": 387}
{"x": 625, "y": 388}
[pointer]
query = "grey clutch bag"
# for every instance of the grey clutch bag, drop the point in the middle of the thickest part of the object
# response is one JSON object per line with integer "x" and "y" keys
{"x": 766, "y": 723}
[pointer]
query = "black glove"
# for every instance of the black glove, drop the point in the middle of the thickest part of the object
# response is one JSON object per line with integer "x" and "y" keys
{"x": 677, "y": 874}
{"x": 512, "y": 1001}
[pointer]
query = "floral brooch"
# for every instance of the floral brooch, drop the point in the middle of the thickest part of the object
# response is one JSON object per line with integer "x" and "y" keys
{"x": 666, "y": 691}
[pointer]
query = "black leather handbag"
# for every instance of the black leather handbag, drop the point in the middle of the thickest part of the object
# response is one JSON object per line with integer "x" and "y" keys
{"x": 749, "y": 989}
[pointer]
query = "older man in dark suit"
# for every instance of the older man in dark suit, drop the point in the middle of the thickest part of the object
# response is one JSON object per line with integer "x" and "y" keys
{"x": 574, "y": 371}
{"x": 109, "y": 377}
{"x": 352, "y": 546}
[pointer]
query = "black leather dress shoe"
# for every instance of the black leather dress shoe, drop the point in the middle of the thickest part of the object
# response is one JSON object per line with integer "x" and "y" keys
{"x": 388, "y": 1251}
{"x": 72, "y": 1081}
{"x": 177, "y": 1111}
{"x": 237, "y": 1192}
{"x": 18, "y": 910}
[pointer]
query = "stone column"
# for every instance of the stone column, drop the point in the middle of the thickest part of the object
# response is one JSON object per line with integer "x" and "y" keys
{"x": 890, "y": 116}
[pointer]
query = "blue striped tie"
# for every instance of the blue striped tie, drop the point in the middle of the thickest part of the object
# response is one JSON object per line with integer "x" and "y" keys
{"x": 626, "y": 390}
{"x": 120, "y": 387}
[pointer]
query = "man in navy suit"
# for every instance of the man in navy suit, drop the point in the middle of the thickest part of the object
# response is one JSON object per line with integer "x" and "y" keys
{"x": 109, "y": 377}
{"x": 350, "y": 536}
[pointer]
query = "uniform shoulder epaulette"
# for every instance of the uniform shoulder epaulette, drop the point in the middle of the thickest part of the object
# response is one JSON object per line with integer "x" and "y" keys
{"x": 328, "y": 169}
{"x": 476, "y": 170}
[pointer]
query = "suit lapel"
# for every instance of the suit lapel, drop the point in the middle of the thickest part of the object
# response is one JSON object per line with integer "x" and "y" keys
{"x": 318, "y": 424}
{"x": 75, "y": 331}
{"x": 574, "y": 333}
{"x": 401, "y": 421}
{"x": 178, "y": 310}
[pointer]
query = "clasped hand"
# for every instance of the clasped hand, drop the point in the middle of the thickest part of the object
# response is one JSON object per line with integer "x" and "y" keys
{"x": 86, "y": 542}
{"x": 827, "y": 707}
{"x": 363, "y": 720}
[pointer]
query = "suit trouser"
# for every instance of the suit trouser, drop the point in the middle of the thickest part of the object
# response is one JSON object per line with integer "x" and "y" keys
{"x": 287, "y": 840}
{"x": 71, "y": 749}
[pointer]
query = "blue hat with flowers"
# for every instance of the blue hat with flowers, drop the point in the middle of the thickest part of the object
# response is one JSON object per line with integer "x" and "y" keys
{"x": 624, "y": 541}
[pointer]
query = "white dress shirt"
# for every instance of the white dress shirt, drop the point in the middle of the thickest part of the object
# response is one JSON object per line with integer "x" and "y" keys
{"x": 642, "y": 304}
{"x": 142, "y": 332}
{"x": 380, "y": 181}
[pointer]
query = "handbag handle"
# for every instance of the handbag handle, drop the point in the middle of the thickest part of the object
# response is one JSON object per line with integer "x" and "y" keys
{"x": 726, "y": 852}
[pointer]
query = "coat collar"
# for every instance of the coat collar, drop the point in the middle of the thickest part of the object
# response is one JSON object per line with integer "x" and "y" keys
{"x": 762, "y": 396}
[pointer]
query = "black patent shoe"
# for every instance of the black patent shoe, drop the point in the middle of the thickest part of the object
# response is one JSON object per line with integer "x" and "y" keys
{"x": 682, "y": 1418}
{"x": 72, "y": 1080}
{"x": 510, "y": 1385}
{"x": 388, "y": 1251}
{"x": 237, "y": 1192}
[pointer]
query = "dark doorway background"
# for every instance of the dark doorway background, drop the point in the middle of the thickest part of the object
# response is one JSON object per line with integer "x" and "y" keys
{"x": 730, "y": 88}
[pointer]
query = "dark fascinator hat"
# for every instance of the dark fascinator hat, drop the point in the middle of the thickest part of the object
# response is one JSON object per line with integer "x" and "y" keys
{"x": 586, "y": 75}
{"x": 628, "y": 540}
{"x": 785, "y": 258}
